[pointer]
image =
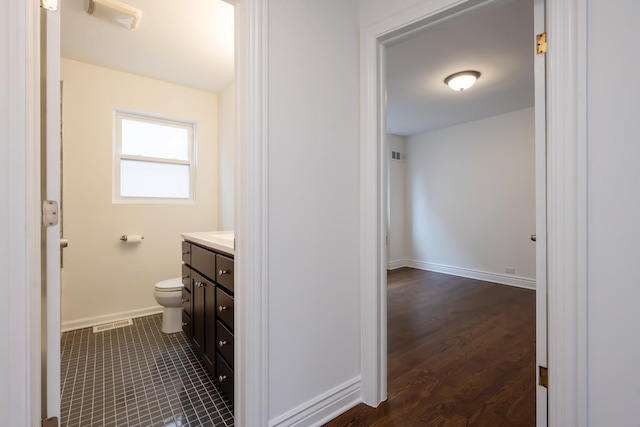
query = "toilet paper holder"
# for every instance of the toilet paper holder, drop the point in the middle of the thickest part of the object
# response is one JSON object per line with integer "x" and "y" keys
{"x": 131, "y": 238}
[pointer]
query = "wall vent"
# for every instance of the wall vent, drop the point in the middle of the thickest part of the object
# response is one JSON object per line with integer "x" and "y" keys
{"x": 112, "y": 325}
{"x": 396, "y": 155}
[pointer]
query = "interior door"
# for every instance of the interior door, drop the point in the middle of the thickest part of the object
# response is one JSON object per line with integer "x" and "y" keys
{"x": 50, "y": 189}
{"x": 541, "y": 215}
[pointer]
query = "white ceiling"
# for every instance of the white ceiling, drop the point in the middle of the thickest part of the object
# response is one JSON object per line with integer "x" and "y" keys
{"x": 188, "y": 42}
{"x": 495, "y": 39}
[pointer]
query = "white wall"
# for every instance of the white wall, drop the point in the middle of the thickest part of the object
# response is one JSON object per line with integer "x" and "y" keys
{"x": 613, "y": 214}
{"x": 397, "y": 201}
{"x": 471, "y": 195}
{"x": 314, "y": 317}
{"x": 16, "y": 282}
{"x": 226, "y": 155}
{"x": 375, "y": 10}
{"x": 101, "y": 275}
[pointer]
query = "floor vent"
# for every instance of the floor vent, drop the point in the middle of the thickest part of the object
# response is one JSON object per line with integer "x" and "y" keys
{"x": 112, "y": 325}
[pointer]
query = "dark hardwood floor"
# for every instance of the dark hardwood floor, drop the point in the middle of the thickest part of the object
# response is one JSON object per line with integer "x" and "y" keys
{"x": 461, "y": 353}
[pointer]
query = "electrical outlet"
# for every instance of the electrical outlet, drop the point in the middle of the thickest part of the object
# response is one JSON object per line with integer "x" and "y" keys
{"x": 510, "y": 270}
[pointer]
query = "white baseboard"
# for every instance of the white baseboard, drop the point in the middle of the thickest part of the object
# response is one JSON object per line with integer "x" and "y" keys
{"x": 393, "y": 265}
{"x": 89, "y": 322}
{"x": 503, "y": 279}
{"x": 324, "y": 407}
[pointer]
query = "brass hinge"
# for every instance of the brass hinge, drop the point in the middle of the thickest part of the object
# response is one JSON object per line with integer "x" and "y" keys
{"x": 50, "y": 422}
{"x": 541, "y": 43}
{"x": 544, "y": 376}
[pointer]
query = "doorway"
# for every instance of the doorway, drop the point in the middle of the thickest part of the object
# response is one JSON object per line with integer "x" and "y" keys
{"x": 99, "y": 91}
{"x": 378, "y": 41}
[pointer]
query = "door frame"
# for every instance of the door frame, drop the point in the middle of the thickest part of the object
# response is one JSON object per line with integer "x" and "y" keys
{"x": 566, "y": 200}
{"x": 23, "y": 217}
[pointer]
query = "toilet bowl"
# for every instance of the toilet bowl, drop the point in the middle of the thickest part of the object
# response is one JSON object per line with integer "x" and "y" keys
{"x": 168, "y": 293}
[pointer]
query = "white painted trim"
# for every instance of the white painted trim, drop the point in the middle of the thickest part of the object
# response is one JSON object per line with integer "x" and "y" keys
{"x": 373, "y": 224}
{"x": 540, "y": 107}
{"x": 566, "y": 201}
{"x": 567, "y": 211}
{"x": 89, "y": 322}
{"x": 22, "y": 320}
{"x": 251, "y": 215}
{"x": 373, "y": 158}
{"x": 322, "y": 408}
{"x": 502, "y": 279}
{"x": 394, "y": 265}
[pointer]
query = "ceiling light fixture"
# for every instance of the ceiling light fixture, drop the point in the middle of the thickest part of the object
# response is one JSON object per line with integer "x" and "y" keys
{"x": 462, "y": 81}
{"x": 115, "y": 10}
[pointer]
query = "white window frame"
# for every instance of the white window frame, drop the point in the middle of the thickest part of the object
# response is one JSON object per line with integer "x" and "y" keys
{"x": 191, "y": 127}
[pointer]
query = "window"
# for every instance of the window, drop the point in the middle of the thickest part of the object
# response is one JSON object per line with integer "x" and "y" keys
{"x": 154, "y": 159}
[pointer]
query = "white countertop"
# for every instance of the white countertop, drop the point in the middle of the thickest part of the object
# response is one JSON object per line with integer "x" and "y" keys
{"x": 223, "y": 241}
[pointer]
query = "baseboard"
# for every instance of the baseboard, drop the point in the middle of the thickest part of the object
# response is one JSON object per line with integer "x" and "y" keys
{"x": 324, "y": 407}
{"x": 393, "y": 265}
{"x": 503, "y": 279}
{"x": 89, "y": 322}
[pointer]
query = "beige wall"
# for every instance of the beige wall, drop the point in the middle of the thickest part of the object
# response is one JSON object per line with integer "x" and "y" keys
{"x": 227, "y": 155}
{"x": 103, "y": 278}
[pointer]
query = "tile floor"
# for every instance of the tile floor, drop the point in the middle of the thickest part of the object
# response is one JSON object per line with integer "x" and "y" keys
{"x": 137, "y": 376}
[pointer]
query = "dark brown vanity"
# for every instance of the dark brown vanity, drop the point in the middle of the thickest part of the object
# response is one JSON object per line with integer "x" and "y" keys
{"x": 207, "y": 306}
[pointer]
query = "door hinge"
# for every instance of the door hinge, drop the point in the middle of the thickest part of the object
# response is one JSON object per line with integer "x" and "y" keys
{"x": 51, "y": 5}
{"x": 50, "y": 422}
{"x": 543, "y": 375}
{"x": 541, "y": 43}
{"x": 49, "y": 213}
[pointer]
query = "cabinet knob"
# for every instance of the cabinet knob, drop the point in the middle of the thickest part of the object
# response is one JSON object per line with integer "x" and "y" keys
{"x": 184, "y": 323}
{"x": 185, "y": 253}
{"x": 185, "y": 277}
{"x": 185, "y": 300}
{"x": 221, "y": 378}
{"x": 223, "y": 272}
{"x": 222, "y": 343}
{"x": 222, "y": 308}
{"x": 199, "y": 284}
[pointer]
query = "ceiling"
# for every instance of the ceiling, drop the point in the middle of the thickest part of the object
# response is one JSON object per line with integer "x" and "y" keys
{"x": 495, "y": 39}
{"x": 185, "y": 42}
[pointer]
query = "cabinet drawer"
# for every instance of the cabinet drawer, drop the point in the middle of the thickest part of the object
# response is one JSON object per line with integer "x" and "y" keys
{"x": 186, "y": 253}
{"x": 186, "y": 325}
{"x": 225, "y": 377}
{"x": 225, "y": 272}
{"x": 224, "y": 302}
{"x": 186, "y": 277}
{"x": 224, "y": 340}
{"x": 186, "y": 301}
{"x": 204, "y": 261}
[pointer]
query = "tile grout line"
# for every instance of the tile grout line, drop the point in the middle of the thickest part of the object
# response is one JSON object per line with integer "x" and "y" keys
{"x": 168, "y": 384}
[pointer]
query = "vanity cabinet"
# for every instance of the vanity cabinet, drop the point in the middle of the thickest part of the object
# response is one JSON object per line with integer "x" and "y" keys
{"x": 208, "y": 309}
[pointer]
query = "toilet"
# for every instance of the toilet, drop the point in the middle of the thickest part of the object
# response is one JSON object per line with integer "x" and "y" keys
{"x": 168, "y": 293}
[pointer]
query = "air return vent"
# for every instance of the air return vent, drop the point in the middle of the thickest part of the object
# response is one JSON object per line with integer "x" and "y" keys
{"x": 112, "y": 325}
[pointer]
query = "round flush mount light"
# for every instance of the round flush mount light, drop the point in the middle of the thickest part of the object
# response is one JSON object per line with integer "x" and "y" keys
{"x": 462, "y": 81}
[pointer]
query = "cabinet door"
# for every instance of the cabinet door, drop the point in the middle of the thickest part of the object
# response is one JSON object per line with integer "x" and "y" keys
{"x": 225, "y": 272}
{"x": 224, "y": 374}
{"x": 204, "y": 261}
{"x": 209, "y": 352}
{"x": 224, "y": 340}
{"x": 197, "y": 314}
{"x": 186, "y": 325}
{"x": 186, "y": 253}
{"x": 225, "y": 308}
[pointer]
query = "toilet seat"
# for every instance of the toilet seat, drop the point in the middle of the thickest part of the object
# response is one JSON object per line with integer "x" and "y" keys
{"x": 169, "y": 285}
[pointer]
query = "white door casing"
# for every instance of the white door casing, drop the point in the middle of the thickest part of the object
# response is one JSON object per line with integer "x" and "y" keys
{"x": 565, "y": 200}
{"x": 541, "y": 213}
{"x": 50, "y": 170}
{"x": 251, "y": 215}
